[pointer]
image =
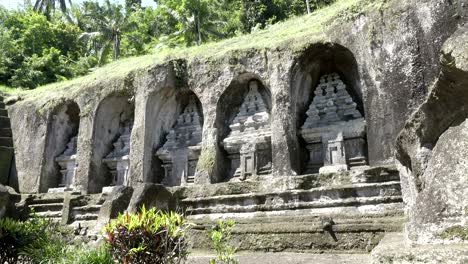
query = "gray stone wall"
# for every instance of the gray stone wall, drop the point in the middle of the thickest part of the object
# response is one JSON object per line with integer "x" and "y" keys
{"x": 432, "y": 153}
{"x": 388, "y": 60}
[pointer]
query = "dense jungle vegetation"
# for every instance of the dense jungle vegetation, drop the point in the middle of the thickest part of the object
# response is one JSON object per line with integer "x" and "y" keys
{"x": 52, "y": 40}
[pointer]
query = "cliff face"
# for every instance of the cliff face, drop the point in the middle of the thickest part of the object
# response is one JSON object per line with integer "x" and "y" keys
{"x": 432, "y": 152}
{"x": 387, "y": 53}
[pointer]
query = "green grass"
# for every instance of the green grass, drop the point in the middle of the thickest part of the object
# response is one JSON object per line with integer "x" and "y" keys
{"x": 294, "y": 34}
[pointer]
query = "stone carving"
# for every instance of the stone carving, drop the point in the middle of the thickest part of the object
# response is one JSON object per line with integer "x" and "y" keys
{"x": 334, "y": 129}
{"x": 180, "y": 153}
{"x": 249, "y": 143}
{"x": 118, "y": 159}
{"x": 67, "y": 164}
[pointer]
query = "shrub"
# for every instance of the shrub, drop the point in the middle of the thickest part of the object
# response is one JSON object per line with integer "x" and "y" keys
{"x": 85, "y": 255}
{"x": 148, "y": 237}
{"x": 17, "y": 238}
{"x": 38, "y": 240}
{"x": 221, "y": 238}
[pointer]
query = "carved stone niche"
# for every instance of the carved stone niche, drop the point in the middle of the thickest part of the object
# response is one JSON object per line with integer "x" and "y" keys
{"x": 179, "y": 155}
{"x": 67, "y": 164}
{"x": 334, "y": 131}
{"x": 118, "y": 159}
{"x": 249, "y": 142}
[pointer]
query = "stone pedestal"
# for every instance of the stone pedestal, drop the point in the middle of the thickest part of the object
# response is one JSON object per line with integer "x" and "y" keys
{"x": 334, "y": 129}
{"x": 179, "y": 155}
{"x": 67, "y": 164}
{"x": 118, "y": 159}
{"x": 335, "y": 159}
{"x": 249, "y": 143}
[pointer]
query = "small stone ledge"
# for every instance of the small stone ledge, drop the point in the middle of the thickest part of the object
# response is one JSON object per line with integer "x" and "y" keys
{"x": 394, "y": 249}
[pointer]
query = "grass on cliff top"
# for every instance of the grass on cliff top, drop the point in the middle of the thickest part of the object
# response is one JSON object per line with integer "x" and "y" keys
{"x": 295, "y": 34}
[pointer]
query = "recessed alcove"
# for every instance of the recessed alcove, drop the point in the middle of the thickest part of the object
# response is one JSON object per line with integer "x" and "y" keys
{"x": 115, "y": 114}
{"x": 62, "y": 132}
{"x": 176, "y": 119}
{"x": 327, "y": 96}
{"x": 243, "y": 126}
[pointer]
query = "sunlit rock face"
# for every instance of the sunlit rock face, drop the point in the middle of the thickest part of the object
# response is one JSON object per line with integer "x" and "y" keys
{"x": 249, "y": 143}
{"x": 180, "y": 153}
{"x": 117, "y": 160}
{"x": 67, "y": 164}
{"x": 334, "y": 130}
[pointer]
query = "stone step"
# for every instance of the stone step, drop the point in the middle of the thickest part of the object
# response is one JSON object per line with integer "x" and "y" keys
{"x": 47, "y": 207}
{"x": 90, "y": 199}
{"x": 50, "y": 214}
{"x": 5, "y": 132}
{"x": 300, "y": 217}
{"x": 323, "y": 197}
{"x": 3, "y": 112}
{"x": 395, "y": 225}
{"x": 86, "y": 208}
{"x": 4, "y": 122}
{"x": 46, "y": 200}
{"x": 85, "y": 217}
{"x": 292, "y": 233}
{"x": 246, "y": 257}
{"x": 6, "y": 141}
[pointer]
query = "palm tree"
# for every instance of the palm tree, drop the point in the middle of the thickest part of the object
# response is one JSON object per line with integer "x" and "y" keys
{"x": 103, "y": 36}
{"x": 196, "y": 22}
{"x": 47, "y": 6}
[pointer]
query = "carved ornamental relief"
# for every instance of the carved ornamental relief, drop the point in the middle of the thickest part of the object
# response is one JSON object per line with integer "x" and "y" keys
{"x": 180, "y": 153}
{"x": 118, "y": 159}
{"x": 334, "y": 130}
{"x": 67, "y": 164}
{"x": 249, "y": 143}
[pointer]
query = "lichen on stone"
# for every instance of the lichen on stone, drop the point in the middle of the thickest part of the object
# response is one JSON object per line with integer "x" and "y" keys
{"x": 455, "y": 232}
{"x": 206, "y": 160}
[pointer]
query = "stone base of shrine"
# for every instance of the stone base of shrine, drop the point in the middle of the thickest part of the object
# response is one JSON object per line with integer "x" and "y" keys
{"x": 333, "y": 168}
{"x": 349, "y": 211}
{"x": 63, "y": 189}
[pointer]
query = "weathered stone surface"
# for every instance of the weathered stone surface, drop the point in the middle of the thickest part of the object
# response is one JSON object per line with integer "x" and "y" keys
{"x": 150, "y": 195}
{"x": 386, "y": 68}
{"x": 116, "y": 202}
{"x": 386, "y": 59}
{"x": 392, "y": 249}
{"x": 118, "y": 160}
{"x": 182, "y": 148}
{"x": 432, "y": 151}
{"x": 4, "y": 200}
{"x": 248, "y": 143}
{"x": 67, "y": 163}
{"x": 286, "y": 257}
{"x": 355, "y": 232}
{"x": 334, "y": 129}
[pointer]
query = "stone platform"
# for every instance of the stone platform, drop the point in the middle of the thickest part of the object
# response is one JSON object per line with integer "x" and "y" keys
{"x": 394, "y": 249}
{"x": 286, "y": 258}
{"x": 79, "y": 212}
{"x": 346, "y": 212}
{"x": 341, "y": 212}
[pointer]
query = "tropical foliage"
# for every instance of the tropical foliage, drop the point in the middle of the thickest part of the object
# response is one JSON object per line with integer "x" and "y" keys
{"x": 221, "y": 238}
{"x": 54, "y": 40}
{"x": 149, "y": 236}
{"x": 38, "y": 240}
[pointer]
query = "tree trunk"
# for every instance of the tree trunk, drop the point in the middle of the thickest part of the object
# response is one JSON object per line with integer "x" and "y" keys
{"x": 198, "y": 29}
{"x": 116, "y": 46}
{"x": 308, "y": 6}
